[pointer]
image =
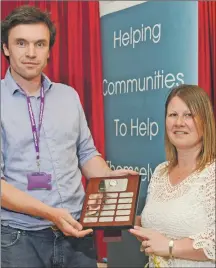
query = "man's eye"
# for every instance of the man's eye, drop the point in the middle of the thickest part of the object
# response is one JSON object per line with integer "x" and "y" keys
{"x": 40, "y": 44}
{"x": 20, "y": 43}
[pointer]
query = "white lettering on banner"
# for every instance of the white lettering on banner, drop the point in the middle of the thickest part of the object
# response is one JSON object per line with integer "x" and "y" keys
{"x": 120, "y": 128}
{"x": 144, "y": 129}
{"x": 157, "y": 81}
{"x": 145, "y": 172}
{"x": 132, "y": 37}
{"x": 137, "y": 128}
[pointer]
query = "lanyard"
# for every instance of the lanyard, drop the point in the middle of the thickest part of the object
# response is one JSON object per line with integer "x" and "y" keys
{"x": 35, "y": 133}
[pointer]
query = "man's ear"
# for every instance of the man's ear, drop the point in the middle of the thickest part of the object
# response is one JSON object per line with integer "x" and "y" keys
{"x": 5, "y": 49}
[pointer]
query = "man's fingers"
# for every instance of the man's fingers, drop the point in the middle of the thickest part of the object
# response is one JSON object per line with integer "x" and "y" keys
{"x": 70, "y": 227}
{"x": 132, "y": 172}
{"x": 70, "y": 230}
{"x": 123, "y": 172}
{"x": 75, "y": 224}
{"x": 80, "y": 234}
{"x": 66, "y": 227}
{"x": 84, "y": 232}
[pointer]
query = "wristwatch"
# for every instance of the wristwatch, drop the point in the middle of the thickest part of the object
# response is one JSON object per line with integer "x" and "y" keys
{"x": 171, "y": 244}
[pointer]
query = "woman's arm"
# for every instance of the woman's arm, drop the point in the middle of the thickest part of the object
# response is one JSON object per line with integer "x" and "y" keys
{"x": 198, "y": 247}
{"x": 183, "y": 249}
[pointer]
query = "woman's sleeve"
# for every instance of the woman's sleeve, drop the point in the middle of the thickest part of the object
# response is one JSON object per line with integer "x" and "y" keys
{"x": 206, "y": 239}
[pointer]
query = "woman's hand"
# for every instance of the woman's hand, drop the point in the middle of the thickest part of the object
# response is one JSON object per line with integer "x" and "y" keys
{"x": 152, "y": 241}
{"x": 138, "y": 221}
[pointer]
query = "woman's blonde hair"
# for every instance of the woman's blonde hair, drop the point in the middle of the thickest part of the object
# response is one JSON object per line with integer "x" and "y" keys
{"x": 200, "y": 106}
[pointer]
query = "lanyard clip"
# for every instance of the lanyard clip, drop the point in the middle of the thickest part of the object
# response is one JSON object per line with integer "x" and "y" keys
{"x": 38, "y": 164}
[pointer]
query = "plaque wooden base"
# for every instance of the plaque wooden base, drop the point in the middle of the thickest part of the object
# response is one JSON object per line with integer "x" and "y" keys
{"x": 110, "y": 202}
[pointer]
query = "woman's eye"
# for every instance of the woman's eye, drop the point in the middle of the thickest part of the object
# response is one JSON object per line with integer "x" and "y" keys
{"x": 188, "y": 115}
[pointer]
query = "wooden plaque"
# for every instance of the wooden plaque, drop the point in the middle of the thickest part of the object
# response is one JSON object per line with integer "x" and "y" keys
{"x": 111, "y": 202}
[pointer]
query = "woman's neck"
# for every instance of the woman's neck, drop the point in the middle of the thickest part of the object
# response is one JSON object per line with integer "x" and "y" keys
{"x": 188, "y": 158}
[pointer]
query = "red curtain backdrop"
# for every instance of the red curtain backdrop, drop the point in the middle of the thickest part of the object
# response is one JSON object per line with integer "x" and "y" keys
{"x": 207, "y": 48}
{"x": 75, "y": 60}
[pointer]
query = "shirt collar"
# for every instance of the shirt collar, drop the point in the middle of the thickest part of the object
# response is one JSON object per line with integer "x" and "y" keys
{"x": 13, "y": 87}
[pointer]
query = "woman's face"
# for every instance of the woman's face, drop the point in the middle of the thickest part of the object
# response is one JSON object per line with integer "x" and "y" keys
{"x": 180, "y": 125}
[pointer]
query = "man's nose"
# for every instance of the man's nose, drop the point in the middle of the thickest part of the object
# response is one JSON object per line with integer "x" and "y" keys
{"x": 31, "y": 52}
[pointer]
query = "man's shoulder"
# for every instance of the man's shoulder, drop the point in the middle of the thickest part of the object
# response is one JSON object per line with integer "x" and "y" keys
{"x": 3, "y": 87}
{"x": 63, "y": 87}
{"x": 2, "y": 82}
{"x": 65, "y": 90}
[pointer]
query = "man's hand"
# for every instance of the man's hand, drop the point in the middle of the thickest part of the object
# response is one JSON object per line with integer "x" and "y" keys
{"x": 66, "y": 223}
{"x": 122, "y": 172}
{"x": 21, "y": 202}
{"x": 97, "y": 167}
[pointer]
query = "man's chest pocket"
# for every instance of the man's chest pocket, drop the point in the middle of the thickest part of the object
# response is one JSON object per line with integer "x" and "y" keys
{"x": 63, "y": 125}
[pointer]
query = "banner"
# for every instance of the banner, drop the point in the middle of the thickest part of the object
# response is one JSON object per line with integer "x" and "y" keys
{"x": 147, "y": 50}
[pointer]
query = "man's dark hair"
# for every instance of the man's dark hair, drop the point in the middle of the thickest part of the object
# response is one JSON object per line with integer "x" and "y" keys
{"x": 26, "y": 15}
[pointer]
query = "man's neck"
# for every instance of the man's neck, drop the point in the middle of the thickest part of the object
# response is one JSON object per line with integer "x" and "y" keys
{"x": 30, "y": 87}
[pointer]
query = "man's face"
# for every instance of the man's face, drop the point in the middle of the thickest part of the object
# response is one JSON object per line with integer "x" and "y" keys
{"x": 28, "y": 49}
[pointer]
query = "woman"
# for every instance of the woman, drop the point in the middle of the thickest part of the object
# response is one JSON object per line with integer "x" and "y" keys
{"x": 178, "y": 220}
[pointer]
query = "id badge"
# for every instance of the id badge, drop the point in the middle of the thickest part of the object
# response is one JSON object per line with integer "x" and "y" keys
{"x": 39, "y": 181}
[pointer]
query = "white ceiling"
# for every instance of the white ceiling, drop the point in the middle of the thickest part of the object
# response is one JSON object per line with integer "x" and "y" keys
{"x": 107, "y": 7}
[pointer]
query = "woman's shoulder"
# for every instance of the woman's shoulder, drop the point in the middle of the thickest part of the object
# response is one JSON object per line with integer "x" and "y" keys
{"x": 211, "y": 166}
{"x": 209, "y": 170}
{"x": 159, "y": 172}
{"x": 162, "y": 167}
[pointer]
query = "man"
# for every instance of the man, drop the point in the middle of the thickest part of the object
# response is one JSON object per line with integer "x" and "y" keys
{"x": 46, "y": 147}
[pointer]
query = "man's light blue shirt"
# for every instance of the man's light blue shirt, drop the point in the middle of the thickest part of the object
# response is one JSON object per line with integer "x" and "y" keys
{"x": 65, "y": 143}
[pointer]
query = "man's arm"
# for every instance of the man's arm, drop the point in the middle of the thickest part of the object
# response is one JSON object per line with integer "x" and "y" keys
{"x": 16, "y": 200}
{"x": 97, "y": 167}
{"x": 90, "y": 162}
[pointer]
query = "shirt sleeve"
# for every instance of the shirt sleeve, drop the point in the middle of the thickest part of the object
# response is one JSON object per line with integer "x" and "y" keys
{"x": 206, "y": 239}
{"x": 85, "y": 144}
